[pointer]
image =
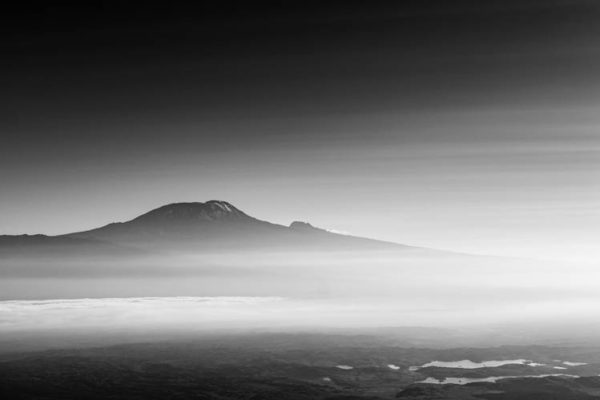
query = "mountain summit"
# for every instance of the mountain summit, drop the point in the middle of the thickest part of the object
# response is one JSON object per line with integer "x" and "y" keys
{"x": 211, "y": 210}
{"x": 188, "y": 225}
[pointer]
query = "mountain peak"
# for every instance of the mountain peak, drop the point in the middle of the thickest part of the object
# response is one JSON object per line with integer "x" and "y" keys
{"x": 195, "y": 211}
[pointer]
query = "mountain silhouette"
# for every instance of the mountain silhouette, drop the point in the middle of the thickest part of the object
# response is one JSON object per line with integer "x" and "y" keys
{"x": 195, "y": 227}
{"x": 207, "y": 248}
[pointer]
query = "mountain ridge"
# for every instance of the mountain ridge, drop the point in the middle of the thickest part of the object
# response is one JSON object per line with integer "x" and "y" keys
{"x": 199, "y": 227}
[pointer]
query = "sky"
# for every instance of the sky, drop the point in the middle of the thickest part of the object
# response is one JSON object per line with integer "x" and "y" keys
{"x": 462, "y": 125}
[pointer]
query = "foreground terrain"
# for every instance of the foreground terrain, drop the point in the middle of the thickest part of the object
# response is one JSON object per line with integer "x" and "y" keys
{"x": 299, "y": 366}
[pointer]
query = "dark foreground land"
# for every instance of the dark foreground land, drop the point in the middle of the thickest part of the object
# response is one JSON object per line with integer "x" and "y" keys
{"x": 293, "y": 366}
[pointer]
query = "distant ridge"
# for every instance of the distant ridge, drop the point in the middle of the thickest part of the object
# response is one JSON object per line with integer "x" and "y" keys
{"x": 199, "y": 227}
{"x": 207, "y": 248}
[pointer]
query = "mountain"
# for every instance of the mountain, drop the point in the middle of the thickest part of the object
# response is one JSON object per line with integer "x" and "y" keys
{"x": 195, "y": 227}
{"x": 181, "y": 224}
{"x": 214, "y": 249}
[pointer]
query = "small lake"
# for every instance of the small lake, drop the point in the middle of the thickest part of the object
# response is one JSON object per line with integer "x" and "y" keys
{"x": 468, "y": 364}
{"x": 491, "y": 379}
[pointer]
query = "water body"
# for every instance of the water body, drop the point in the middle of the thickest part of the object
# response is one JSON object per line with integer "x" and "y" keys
{"x": 490, "y": 379}
{"x": 468, "y": 364}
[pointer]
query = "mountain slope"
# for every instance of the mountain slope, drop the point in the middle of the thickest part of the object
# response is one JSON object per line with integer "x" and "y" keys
{"x": 218, "y": 225}
{"x": 59, "y": 246}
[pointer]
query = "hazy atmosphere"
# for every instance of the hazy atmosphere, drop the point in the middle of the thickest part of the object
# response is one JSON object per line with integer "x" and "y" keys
{"x": 302, "y": 200}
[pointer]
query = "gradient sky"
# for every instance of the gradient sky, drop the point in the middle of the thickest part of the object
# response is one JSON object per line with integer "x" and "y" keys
{"x": 463, "y": 125}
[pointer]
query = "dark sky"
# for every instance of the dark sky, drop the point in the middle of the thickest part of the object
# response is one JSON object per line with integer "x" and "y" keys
{"x": 470, "y": 125}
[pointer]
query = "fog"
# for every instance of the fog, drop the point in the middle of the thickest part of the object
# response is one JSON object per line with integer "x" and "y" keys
{"x": 287, "y": 290}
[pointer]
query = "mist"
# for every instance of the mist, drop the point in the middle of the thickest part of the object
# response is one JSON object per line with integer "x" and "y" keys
{"x": 286, "y": 289}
